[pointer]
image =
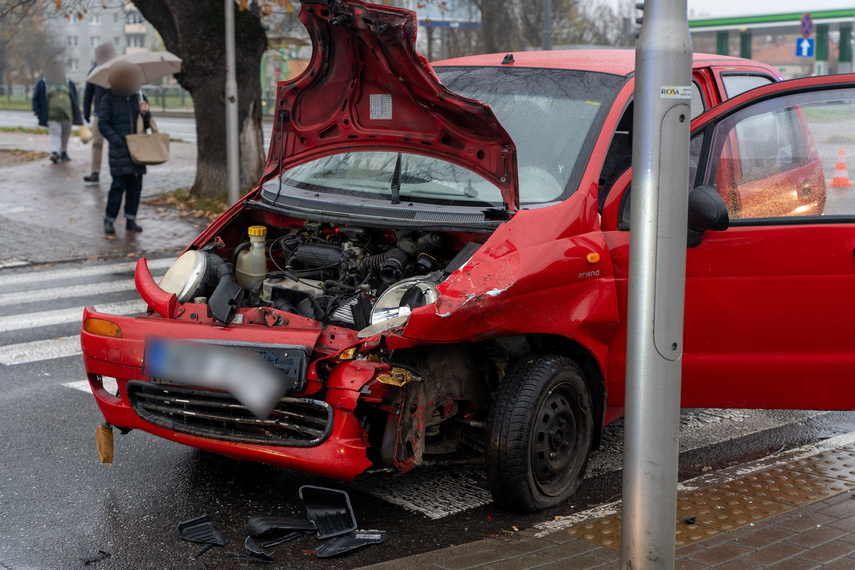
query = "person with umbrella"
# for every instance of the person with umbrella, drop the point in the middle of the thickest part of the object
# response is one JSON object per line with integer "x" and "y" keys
{"x": 91, "y": 99}
{"x": 117, "y": 117}
{"x": 55, "y": 104}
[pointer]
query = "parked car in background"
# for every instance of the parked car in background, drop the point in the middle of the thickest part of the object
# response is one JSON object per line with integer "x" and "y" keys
{"x": 435, "y": 262}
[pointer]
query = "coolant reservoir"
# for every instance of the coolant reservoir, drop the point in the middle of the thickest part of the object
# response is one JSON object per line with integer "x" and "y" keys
{"x": 251, "y": 265}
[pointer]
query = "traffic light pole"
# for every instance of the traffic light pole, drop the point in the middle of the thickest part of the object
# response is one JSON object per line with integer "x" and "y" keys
{"x": 657, "y": 277}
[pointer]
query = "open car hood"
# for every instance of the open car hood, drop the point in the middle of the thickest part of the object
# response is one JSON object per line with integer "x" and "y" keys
{"x": 368, "y": 89}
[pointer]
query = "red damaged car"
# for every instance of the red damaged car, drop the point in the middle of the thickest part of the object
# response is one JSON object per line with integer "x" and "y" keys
{"x": 435, "y": 261}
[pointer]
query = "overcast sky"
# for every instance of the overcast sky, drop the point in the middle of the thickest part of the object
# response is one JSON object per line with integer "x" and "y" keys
{"x": 715, "y": 8}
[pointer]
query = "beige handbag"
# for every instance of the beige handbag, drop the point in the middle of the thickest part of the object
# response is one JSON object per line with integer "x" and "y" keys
{"x": 84, "y": 133}
{"x": 148, "y": 148}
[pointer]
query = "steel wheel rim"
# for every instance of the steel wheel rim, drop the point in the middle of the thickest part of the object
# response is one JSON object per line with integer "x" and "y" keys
{"x": 556, "y": 439}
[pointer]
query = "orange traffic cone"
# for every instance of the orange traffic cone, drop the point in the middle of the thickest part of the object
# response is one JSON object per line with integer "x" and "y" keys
{"x": 841, "y": 173}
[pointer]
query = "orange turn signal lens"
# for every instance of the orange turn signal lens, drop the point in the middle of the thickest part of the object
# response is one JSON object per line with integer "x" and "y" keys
{"x": 593, "y": 258}
{"x": 102, "y": 328}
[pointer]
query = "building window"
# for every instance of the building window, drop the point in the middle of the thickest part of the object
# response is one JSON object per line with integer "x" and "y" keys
{"x": 72, "y": 41}
{"x": 116, "y": 18}
{"x": 95, "y": 41}
{"x": 94, "y": 19}
{"x": 117, "y": 42}
{"x": 136, "y": 41}
{"x": 135, "y": 18}
{"x": 73, "y": 64}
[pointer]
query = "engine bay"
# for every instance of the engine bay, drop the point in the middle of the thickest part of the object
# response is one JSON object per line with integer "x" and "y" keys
{"x": 365, "y": 279}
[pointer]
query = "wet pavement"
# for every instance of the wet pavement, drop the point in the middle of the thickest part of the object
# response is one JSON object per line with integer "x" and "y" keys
{"x": 795, "y": 511}
{"x": 49, "y": 214}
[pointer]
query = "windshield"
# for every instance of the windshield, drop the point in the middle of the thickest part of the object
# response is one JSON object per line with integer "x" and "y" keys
{"x": 552, "y": 115}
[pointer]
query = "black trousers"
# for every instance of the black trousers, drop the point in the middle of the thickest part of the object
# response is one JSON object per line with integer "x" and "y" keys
{"x": 131, "y": 186}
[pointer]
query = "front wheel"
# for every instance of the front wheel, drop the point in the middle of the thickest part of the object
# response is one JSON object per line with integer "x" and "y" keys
{"x": 540, "y": 428}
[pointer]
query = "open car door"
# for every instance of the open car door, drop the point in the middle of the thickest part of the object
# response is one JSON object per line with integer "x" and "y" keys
{"x": 770, "y": 302}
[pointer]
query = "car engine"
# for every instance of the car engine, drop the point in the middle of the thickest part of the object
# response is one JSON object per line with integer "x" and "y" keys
{"x": 348, "y": 276}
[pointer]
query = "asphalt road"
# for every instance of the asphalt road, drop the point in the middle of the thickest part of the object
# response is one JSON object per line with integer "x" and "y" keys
{"x": 58, "y": 504}
{"x": 177, "y": 127}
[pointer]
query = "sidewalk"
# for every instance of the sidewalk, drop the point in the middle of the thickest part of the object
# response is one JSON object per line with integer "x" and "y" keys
{"x": 48, "y": 214}
{"x": 790, "y": 512}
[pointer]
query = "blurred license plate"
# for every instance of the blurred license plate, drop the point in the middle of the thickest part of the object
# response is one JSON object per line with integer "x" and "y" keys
{"x": 256, "y": 375}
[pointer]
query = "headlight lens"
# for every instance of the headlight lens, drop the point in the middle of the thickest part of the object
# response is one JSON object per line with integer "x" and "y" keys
{"x": 402, "y": 298}
{"x": 185, "y": 275}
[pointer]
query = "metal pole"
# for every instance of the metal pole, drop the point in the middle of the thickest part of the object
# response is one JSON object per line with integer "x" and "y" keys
{"x": 232, "y": 148}
{"x": 657, "y": 278}
{"x": 547, "y": 25}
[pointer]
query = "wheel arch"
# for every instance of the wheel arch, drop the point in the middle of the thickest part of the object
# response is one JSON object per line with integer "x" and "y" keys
{"x": 594, "y": 377}
{"x": 563, "y": 346}
{"x": 503, "y": 351}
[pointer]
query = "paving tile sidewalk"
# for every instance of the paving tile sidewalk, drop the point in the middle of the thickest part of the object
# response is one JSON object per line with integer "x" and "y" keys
{"x": 48, "y": 213}
{"x": 792, "y": 512}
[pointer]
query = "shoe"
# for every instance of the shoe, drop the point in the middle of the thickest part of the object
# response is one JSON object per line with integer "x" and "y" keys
{"x": 54, "y": 158}
{"x": 133, "y": 226}
{"x": 108, "y": 228}
{"x": 64, "y": 157}
{"x": 91, "y": 178}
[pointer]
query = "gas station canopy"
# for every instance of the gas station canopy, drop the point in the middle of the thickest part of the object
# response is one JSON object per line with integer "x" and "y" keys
{"x": 789, "y": 23}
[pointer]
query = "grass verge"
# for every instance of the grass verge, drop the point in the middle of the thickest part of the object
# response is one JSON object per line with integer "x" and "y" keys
{"x": 44, "y": 131}
{"x": 14, "y": 156}
{"x": 28, "y": 130}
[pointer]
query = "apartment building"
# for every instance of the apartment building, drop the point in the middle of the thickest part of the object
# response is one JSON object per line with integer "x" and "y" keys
{"x": 113, "y": 21}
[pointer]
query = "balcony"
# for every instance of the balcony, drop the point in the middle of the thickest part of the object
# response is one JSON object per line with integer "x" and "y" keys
{"x": 135, "y": 29}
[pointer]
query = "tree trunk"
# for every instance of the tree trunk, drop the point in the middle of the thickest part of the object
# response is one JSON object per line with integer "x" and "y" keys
{"x": 499, "y": 31}
{"x": 195, "y": 32}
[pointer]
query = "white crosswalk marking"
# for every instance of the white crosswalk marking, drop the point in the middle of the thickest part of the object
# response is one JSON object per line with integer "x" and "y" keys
{"x": 82, "y": 385}
{"x": 95, "y": 270}
{"x": 49, "y": 349}
{"x": 57, "y": 293}
{"x": 9, "y": 210}
{"x": 61, "y": 316}
{"x": 48, "y": 331}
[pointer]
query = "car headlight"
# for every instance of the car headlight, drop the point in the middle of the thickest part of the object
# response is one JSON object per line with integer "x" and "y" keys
{"x": 186, "y": 275}
{"x": 394, "y": 306}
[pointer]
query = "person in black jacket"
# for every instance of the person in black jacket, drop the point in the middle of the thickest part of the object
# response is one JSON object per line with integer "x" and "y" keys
{"x": 91, "y": 99}
{"x": 117, "y": 117}
{"x": 55, "y": 105}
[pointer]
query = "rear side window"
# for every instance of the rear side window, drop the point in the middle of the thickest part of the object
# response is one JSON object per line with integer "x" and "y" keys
{"x": 698, "y": 103}
{"x": 737, "y": 84}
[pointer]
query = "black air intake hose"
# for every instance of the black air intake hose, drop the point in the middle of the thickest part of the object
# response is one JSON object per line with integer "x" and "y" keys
{"x": 389, "y": 265}
{"x": 312, "y": 255}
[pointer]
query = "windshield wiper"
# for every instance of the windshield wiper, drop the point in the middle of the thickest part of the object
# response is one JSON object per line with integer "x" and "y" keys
{"x": 396, "y": 181}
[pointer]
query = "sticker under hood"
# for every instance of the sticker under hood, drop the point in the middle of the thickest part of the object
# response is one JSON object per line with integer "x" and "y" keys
{"x": 367, "y": 89}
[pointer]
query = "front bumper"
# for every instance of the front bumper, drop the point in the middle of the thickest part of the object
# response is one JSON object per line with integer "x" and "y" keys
{"x": 336, "y": 449}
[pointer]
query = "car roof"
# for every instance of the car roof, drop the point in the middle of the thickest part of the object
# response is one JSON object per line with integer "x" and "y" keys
{"x": 614, "y": 61}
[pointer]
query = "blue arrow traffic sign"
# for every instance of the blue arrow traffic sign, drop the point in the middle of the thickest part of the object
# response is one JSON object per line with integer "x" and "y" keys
{"x": 804, "y": 47}
{"x": 807, "y": 25}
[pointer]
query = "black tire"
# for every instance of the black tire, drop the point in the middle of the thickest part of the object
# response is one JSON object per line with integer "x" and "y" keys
{"x": 540, "y": 428}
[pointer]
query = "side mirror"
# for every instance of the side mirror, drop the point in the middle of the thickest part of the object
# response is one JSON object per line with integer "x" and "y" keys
{"x": 707, "y": 211}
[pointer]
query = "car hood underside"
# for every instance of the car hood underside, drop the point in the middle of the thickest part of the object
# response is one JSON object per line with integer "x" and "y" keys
{"x": 367, "y": 89}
